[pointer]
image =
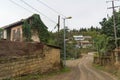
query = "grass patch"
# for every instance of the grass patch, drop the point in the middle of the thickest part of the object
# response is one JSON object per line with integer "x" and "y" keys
{"x": 110, "y": 69}
{"x": 99, "y": 67}
{"x": 38, "y": 76}
{"x": 65, "y": 69}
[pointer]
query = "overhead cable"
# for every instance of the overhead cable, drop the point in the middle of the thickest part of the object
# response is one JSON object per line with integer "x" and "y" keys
{"x": 38, "y": 11}
{"x": 50, "y": 8}
{"x": 20, "y": 6}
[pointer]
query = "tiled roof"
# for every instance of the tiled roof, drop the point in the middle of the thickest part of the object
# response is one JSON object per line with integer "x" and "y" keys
{"x": 16, "y": 23}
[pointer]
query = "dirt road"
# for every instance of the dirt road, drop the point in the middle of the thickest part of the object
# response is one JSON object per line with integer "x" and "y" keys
{"x": 82, "y": 70}
{"x": 87, "y": 72}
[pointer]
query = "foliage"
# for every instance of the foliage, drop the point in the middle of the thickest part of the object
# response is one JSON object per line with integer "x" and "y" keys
{"x": 104, "y": 41}
{"x": 35, "y": 26}
{"x": 108, "y": 29}
{"x": 52, "y": 40}
{"x": 39, "y": 27}
{"x": 71, "y": 50}
{"x": 101, "y": 43}
{"x": 27, "y": 31}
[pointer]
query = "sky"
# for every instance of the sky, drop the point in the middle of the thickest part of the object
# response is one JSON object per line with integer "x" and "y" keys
{"x": 84, "y": 13}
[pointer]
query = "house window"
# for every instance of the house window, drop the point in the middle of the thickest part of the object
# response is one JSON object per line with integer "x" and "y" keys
{"x": 14, "y": 35}
{"x": 18, "y": 34}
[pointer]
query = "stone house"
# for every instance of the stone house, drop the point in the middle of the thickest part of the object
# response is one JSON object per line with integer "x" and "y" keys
{"x": 14, "y": 31}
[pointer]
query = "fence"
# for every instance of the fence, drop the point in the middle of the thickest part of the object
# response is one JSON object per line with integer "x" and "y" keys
{"x": 103, "y": 60}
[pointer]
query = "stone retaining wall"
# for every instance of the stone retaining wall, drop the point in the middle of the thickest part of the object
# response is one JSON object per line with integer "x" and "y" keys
{"x": 41, "y": 58}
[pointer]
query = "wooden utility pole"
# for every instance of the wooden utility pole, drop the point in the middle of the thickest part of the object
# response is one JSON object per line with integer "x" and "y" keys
{"x": 58, "y": 23}
{"x": 58, "y": 39}
{"x": 114, "y": 25}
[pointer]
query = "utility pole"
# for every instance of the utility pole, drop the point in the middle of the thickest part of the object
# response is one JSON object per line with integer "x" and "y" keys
{"x": 58, "y": 23}
{"x": 114, "y": 25}
{"x": 58, "y": 39}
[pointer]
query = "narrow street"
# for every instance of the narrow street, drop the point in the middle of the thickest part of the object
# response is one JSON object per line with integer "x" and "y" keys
{"x": 81, "y": 69}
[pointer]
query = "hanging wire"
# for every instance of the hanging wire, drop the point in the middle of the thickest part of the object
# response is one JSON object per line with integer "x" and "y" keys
{"x": 37, "y": 11}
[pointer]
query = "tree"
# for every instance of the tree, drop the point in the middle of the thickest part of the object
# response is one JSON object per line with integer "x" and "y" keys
{"x": 108, "y": 29}
{"x": 101, "y": 43}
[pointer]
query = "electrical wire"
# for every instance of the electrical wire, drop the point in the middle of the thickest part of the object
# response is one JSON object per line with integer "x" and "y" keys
{"x": 37, "y": 11}
{"x": 54, "y": 27}
{"x": 51, "y": 8}
{"x": 20, "y": 6}
{"x": 28, "y": 10}
{"x": 53, "y": 11}
{"x": 34, "y": 9}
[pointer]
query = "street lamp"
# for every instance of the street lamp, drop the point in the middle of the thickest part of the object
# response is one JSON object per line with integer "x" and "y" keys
{"x": 65, "y": 39}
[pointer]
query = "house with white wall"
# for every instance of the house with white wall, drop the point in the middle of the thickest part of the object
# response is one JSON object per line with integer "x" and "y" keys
{"x": 83, "y": 41}
{"x": 14, "y": 31}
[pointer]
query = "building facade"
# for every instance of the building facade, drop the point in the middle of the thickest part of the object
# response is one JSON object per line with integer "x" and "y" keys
{"x": 14, "y": 31}
{"x": 83, "y": 41}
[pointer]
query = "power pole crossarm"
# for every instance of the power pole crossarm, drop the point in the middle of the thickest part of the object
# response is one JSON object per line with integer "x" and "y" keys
{"x": 112, "y": 0}
{"x": 113, "y": 7}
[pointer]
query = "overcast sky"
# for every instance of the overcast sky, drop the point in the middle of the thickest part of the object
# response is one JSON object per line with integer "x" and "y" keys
{"x": 85, "y": 13}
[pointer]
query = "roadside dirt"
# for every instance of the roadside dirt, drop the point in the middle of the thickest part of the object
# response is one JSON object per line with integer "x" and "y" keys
{"x": 72, "y": 75}
{"x": 81, "y": 69}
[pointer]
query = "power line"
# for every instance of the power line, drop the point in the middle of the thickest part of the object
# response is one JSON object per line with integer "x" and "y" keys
{"x": 51, "y": 8}
{"x": 38, "y": 11}
{"x": 26, "y": 9}
{"x": 20, "y": 6}
{"x": 54, "y": 27}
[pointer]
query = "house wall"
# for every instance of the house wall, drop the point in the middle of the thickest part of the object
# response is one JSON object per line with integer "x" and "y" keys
{"x": 78, "y": 38}
{"x": 16, "y": 33}
{"x": 35, "y": 37}
{"x": 4, "y": 34}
